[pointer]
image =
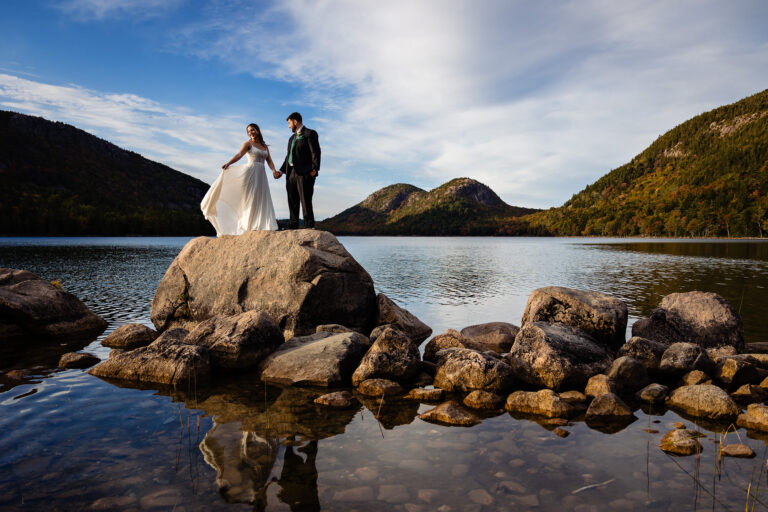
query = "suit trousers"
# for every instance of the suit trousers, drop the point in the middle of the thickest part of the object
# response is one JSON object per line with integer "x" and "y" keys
{"x": 300, "y": 190}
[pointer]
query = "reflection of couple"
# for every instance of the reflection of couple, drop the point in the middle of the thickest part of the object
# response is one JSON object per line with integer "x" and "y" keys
{"x": 239, "y": 199}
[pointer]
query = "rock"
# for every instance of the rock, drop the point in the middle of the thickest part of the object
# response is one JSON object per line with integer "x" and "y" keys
{"x": 733, "y": 373}
{"x": 703, "y": 318}
{"x": 479, "y": 399}
{"x": 573, "y": 397}
{"x": 648, "y": 352}
{"x": 167, "y": 360}
{"x": 653, "y": 394}
{"x": 376, "y": 332}
{"x": 78, "y": 360}
{"x": 334, "y": 328}
{"x": 540, "y": 403}
{"x": 301, "y": 278}
{"x": 361, "y": 494}
{"x": 750, "y": 393}
{"x": 449, "y": 339}
{"x": 681, "y": 442}
{"x": 608, "y": 407}
{"x": 393, "y": 493}
{"x": 756, "y": 418}
{"x": 321, "y": 359}
{"x": 480, "y": 496}
{"x": 704, "y": 400}
{"x": 113, "y": 503}
{"x": 392, "y": 314}
{"x": 426, "y": 395}
{"x": 601, "y": 316}
{"x": 496, "y": 336}
{"x": 463, "y": 369}
{"x": 450, "y": 413}
{"x": 561, "y": 432}
{"x": 130, "y": 336}
{"x": 556, "y": 356}
{"x": 338, "y": 399}
{"x": 716, "y": 353}
{"x": 380, "y": 387}
{"x": 680, "y": 358}
{"x": 601, "y": 384}
{"x": 694, "y": 377}
{"x": 237, "y": 342}
{"x": 736, "y": 450}
{"x": 424, "y": 379}
{"x": 392, "y": 356}
{"x": 32, "y": 309}
{"x": 628, "y": 373}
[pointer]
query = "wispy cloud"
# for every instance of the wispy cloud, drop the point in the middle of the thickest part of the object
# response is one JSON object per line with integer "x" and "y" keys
{"x": 89, "y": 10}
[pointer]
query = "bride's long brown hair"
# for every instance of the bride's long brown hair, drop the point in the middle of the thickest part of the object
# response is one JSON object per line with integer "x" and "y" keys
{"x": 259, "y": 137}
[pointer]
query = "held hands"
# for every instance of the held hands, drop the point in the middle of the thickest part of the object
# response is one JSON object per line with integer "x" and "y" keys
{"x": 277, "y": 174}
{"x": 313, "y": 173}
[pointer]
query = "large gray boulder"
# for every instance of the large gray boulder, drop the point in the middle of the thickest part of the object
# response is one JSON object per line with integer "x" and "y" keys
{"x": 301, "y": 278}
{"x": 402, "y": 319}
{"x": 463, "y": 369}
{"x": 32, "y": 309}
{"x": 167, "y": 360}
{"x": 703, "y": 318}
{"x": 601, "y": 316}
{"x": 392, "y": 356}
{"x": 704, "y": 401}
{"x": 321, "y": 359}
{"x": 495, "y": 336}
{"x": 556, "y": 356}
{"x": 237, "y": 342}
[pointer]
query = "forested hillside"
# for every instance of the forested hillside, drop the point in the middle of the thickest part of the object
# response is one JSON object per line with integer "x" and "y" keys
{"x": 706, "y": 177}
{"x": 58, "y": 180}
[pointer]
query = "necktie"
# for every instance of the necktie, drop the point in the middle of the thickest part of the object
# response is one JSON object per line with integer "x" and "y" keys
{"x": 290, "y": 153}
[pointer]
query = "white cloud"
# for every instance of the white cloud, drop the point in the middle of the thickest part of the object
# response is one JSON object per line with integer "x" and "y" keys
{"x": 534, "y": 100}
{"x": 89, "y": 10}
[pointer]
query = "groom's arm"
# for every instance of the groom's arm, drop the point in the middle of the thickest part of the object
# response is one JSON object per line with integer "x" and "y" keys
{"x": 314, "y": 149}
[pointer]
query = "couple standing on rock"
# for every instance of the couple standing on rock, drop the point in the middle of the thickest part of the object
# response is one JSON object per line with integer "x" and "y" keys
{"x": 239, "y": 199}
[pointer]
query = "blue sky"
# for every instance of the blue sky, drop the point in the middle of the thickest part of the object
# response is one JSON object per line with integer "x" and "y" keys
{"x": 534, "y": 99}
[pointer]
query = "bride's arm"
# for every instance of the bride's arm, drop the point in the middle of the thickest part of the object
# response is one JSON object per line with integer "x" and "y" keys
{"x": 272, "y": 165}
{"x": 238, "y": 156}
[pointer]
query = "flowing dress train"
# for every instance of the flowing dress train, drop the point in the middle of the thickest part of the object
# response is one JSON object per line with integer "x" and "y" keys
{"x": 239, "y": 199}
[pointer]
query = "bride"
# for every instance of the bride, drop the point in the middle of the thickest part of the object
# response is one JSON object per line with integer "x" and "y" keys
{"x": 239, "y": 199}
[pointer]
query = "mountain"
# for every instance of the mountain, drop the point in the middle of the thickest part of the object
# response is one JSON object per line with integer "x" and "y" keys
{"x": 462, "y": 206}
{"x": 59, "y": 180}
{"x": 705, "y": 177}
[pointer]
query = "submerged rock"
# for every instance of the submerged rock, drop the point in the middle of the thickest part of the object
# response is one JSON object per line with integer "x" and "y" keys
{"x": 32, "y": 309}
{"x": 321, "y": 359}
{"x": 540, "y": 403}
{"x": 556, "y": 356}
{"x": 130, "y": 336}
{"x": 450, "y": 413}
{"x": 463, "y": 369}
{"x": 703, "y": 318}
{"x": 78, "y": 360}
{"x": 704, "y": 401}
{"x": 495, "y": 336}
{"x": 601, "y": 316}
{"x": 295, "y": 276}
{"x": 681, "y": 442}
{"x": 167, "y": 360}
{"x": 400, "y": 318}
{"x": 392, "y": 356}
{"x": 237, "y": 342}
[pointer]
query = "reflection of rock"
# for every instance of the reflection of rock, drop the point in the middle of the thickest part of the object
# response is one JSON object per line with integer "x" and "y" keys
{"x": 242, "y": 460}
{"x": 237, "y": 342}
{"x": 130, "y": 336}
{"x": 34, "y": 309}
{"x": 167, "y": 360}
{"x": 556, "y": 356}
{"x": 703, "y": 318}
{"x": 301, "y": 278}
{"x": 601, "y": 316}
{"x": 392, "y": 314}
{"x": 321, "y": 359}
{"x": 391, "y": 412}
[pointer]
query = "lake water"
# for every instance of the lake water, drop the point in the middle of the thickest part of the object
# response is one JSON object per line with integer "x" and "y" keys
{"x": 71, "y": 441}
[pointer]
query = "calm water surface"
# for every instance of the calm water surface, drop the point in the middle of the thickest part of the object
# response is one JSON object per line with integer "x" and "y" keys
{"x": 71, "y": 441}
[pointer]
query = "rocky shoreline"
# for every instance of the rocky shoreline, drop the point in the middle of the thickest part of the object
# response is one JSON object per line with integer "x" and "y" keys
{"x": 294, "y": 308}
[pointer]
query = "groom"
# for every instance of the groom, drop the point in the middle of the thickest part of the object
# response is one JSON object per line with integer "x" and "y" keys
{"x": 300, "y": 167}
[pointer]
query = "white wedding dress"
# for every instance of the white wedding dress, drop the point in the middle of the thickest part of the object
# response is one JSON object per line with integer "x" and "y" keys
{"x": 239, "y": 199}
